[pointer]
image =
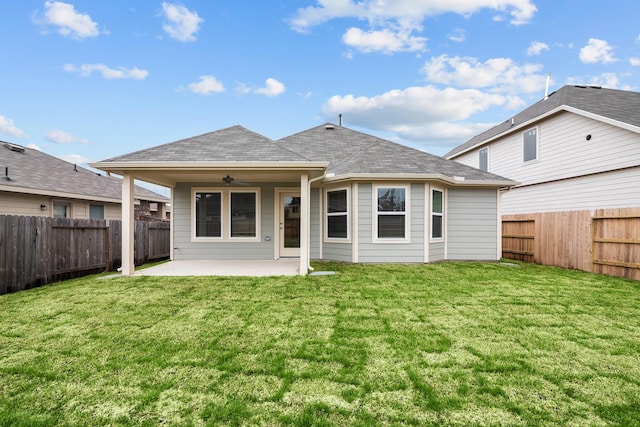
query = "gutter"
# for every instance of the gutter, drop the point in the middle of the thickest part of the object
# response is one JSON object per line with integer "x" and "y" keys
{"x": 309, "y": 182}
{"x": 457, "y": 181}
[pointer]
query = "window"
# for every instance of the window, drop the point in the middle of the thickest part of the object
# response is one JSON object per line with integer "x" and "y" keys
{"x": 437, "y": 214}
{"x": 391, "y": 213}
{"x": 530, "y": 145}
{"x": 208, "y": 220}
{"x": 223, "y": 214}
{"x": 96, "y": 211}
{"x": 337, "y": 214}
{"x": 484, "y": 159}
{"x": 243, "y": 214}
{"x": 61, "y": 210}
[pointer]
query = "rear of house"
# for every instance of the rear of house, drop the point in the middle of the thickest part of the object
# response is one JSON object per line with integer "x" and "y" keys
{"x": 327, "y": 193}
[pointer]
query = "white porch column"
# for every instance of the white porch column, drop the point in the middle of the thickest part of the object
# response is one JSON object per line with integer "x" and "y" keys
{"x": 128, "y": 225}
{"x": 304, "y": 224}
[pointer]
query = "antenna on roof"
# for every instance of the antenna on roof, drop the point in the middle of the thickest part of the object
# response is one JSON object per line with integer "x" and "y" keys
{"x": 546, "y": 91}
{"x": 340, "y": 119}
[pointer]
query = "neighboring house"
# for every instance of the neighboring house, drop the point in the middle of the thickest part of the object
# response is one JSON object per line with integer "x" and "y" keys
{"x": 578, "y": 149}
{"x": 36, "y": 184}
{"x": 576, "y": 158}
{"x": 326, "y": 193}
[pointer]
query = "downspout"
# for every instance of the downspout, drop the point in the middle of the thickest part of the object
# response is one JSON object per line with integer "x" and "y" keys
{"x": 311, "y": 181}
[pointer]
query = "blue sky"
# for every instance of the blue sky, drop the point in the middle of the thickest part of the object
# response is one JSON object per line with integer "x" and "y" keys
{"x": 86, "y": 80}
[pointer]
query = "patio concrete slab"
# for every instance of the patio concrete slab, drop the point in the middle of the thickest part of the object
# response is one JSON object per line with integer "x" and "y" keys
{"x": 281, "y": 267}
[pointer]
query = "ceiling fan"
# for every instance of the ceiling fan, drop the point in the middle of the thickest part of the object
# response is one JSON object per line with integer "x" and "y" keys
{"x": 229, "y": 180}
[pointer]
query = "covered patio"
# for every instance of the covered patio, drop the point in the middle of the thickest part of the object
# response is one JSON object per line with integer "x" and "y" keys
{"x": 254, "y": 268}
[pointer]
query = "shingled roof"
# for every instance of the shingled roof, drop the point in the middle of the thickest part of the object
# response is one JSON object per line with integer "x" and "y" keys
{"x": 35, "y": 172}
{"x": 235, "y": 143}
{"x": 619, "y": 105}
{"x": 352, "y": 152}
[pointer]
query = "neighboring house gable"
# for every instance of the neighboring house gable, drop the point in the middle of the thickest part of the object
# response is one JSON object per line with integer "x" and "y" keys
{"x": 35, "y": 183}
{"x": 578, "y": 149}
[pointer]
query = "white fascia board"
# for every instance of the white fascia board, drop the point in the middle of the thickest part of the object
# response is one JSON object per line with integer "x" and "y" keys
{"x": 173, "y": 166}
{"x": 452, "y": 181}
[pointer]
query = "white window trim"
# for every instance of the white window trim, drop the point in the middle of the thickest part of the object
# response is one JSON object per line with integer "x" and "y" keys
{"x": 526, "y": 162}
{"x": 432, "y": 213}
{"x": 406, "y": 213}
{"x": 327, "y": 215}
{"x": 225, "y": 213}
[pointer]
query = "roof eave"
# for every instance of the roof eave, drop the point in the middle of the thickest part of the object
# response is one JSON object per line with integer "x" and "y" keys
{"x": 67, "y": 195}
{"x": 453, "y": 181}
{"x": 207, "y": 165}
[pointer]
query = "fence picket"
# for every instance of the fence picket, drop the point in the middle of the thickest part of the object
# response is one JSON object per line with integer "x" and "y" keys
{"x": 35, "y": 251}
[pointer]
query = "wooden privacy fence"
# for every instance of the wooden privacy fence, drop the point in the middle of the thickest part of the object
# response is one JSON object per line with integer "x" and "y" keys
{"x": 605, "y": 241}
{"x": 35, "y": 251}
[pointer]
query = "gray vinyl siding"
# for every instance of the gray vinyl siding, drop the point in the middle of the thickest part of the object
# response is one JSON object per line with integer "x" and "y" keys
{"x": 314, "y": 226}
{"x": 337, "y": 252}
{"x": 571, "y": 173}
{"x": 185, "y": 249}
{"x": 472, "y": 221}
{"x": 436, "y": 251}
{"x": 412, "y": 252}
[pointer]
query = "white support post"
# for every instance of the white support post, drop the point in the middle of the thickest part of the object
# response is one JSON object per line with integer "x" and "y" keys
{"x": 128, "y": 225}
{"x": 304, "y": 224}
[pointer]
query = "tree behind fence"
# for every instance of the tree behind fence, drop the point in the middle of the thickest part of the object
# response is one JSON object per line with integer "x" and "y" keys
{"x": 35, "y": 251}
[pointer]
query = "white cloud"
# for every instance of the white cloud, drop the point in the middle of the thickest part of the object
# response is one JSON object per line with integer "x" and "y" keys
{"x": 400, "y": 11}
{"x": 85, "y": 70}
{"x": 608, "y": 80}
{"x": 458, "y": 35}
{"x": 393, "y": 23}
{"x": 597, "y": 51}
{"x": 34, "y": 147}
{"x": 386, "y": 41}
{"x": 272, "y": 88}
{"x": 634, "y": 61}
{"x": 61, "y": 137}
{"x": 182, "y": 24}
{"x": 498, "y": 74}
{"x": 7, "y": 127}
{"x": 206, "y": 85}
{"x": 418, "y": 113}
{"x": 68, "y": 21}
{"x": 536, "y": 48}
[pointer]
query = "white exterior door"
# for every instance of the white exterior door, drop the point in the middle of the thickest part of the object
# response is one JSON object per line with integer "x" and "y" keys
{"x": 289, "y": 224}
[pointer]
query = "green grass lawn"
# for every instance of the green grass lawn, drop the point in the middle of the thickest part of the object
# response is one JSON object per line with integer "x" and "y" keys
{"x": 438, "y": 344}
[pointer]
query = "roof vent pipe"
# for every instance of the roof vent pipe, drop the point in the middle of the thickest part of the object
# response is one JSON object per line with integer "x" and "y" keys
{"x": 6, "y": 174}
{"x": 340, "y": 119}
{"x": 546, "y": 91}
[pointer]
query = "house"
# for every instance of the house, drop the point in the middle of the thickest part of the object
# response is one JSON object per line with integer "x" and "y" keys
{"x": 576, "y": 157}
{"x": 36, "y": 184}
{"x": 328, "y": 193}
{"x": 579, "y": 148}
